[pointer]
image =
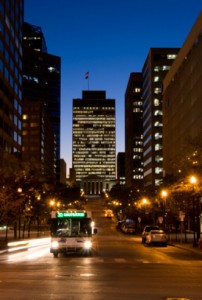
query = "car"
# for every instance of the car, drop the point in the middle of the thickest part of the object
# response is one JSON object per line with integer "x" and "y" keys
{"x": 109, "y": 213}
{"x": 157, "y": 237}
{"x": 119, "y": 224}
{"x": 128, "y": 228}
{"x": 146, "y": 231}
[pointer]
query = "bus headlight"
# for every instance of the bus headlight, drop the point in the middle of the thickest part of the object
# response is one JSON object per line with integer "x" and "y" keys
{"x": 55, "y": 244}
{"x": 87, "y": 245}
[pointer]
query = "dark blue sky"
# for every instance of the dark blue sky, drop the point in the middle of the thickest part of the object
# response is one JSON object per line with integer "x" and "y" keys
{"x": 110, "y": 39}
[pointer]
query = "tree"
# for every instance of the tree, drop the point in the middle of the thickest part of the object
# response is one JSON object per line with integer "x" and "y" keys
{"x": 22, "y": 188}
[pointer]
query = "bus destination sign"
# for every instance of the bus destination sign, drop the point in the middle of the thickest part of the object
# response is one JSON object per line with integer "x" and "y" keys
{"x": 71, "y": 214}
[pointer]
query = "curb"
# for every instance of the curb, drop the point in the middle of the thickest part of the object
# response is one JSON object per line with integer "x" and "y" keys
{"x": 193, "y": 250}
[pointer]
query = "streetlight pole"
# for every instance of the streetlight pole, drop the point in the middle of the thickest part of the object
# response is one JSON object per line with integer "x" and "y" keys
{"x": 19, "y": 190}
{"x": 193, "y": 181}
{"x": 164, "y": 195}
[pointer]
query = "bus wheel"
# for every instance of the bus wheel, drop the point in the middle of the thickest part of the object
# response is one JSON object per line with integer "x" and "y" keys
{"x": 55, "y": 254}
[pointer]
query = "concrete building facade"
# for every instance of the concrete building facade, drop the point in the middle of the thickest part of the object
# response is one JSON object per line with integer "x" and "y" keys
{"x": 156, "y": 66}
{"x": 182, "y": 102}
{"x": 134, "y": 132}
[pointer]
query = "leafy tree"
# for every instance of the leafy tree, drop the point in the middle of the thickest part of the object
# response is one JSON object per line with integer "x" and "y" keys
{"x": 22, "y": 189}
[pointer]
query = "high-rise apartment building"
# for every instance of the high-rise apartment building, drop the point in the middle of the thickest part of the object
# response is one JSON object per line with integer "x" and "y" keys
{"x": 156, "y": 66}
{"x": 134, "y": 132}
{"x": 94, "y": 141}
{"x": 182, "y": 106}
{"x": 41, "y": 83}
{"x": 11, "y": 22}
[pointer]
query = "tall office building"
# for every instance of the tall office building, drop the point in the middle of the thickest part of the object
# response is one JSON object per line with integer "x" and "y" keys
{"x": 38, "y": 139}
{"x": 182, "y": 99}
{"x": 94, "y": 141}
{"x": 156, "y": 66}
{"x": 134, "y": 132}
{"x": 121, "y": 178}
{"x": 41, "y": 83}
{"x": 11, "y": 21}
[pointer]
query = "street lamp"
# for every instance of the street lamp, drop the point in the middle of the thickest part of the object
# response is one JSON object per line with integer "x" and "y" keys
{"x": 19, "y": 190}
{"x": 164, "y": 196}
{"x": 144, "y": 201}
{"x": 193, "y": 181}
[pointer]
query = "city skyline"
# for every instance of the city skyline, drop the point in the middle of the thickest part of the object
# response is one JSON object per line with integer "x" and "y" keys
{"x": 109, "y": 40}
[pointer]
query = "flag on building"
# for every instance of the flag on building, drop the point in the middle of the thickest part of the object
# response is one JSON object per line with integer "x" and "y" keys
{"x": 86, "y": 75}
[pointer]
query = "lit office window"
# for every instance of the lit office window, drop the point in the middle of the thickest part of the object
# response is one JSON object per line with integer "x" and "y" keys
{"x": 158, "y": 170}
{"x": 158, "y": 147}
{"x": 171, "y": 56}
{"x": 156, "y": 78}
{"x": 156, "y": 102}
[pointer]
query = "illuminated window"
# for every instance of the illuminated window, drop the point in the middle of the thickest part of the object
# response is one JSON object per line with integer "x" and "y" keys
{"x": 158, "y": 124}
{"x": 158, "y": 158}
{"x": 156, "y": 78}
{"x": 158, "y": 113}
{"x": 171, "y": 56}
{"x": 157, "y": 90}
{"x": 157, "y": 136}
{"x": 25, "y": 117}
{"x": 51, "y": 69}
{"x": 156, "y": 102}
{"x": 158, "y": 182}
{"x": 158, "y": 147}
{"x": 137, "y": 110}
{"x": 166, "y": 68}
{"x": 158, "y": 170}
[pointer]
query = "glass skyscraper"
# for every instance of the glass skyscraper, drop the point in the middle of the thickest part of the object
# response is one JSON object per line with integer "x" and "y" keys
{"x": 41, "y": 83}
{"x": 11, "y": 21}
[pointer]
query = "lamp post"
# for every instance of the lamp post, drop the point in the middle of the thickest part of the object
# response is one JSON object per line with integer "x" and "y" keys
{"x": 193, "y": 181}
{"x": 144, "y": 204}
{"x": 19, "y": 190}
{"x": 164, "y": 196}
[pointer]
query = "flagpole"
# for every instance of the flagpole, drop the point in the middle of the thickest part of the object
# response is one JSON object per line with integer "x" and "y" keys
{"x": 87, "y": 77}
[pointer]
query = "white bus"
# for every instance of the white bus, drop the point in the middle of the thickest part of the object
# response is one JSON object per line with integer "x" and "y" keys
{"x": 71, "y": 232}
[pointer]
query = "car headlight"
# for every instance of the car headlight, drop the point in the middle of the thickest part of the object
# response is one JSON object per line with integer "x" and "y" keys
{"x": 55, "y": 244}
{"x": 87, "y": 245}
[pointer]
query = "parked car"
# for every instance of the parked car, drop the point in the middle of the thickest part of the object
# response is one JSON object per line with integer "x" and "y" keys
{"x": 157, "y": 237}
{"x": 128, "y": 228}
{"x": 146, "y": 231}
{"x": 119, "y": 224}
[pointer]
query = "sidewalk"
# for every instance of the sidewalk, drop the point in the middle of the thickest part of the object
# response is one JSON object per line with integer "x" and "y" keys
{"x": 179, "y": 242}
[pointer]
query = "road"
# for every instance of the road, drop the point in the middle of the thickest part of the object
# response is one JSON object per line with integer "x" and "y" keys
{"x": 120, "y": 268}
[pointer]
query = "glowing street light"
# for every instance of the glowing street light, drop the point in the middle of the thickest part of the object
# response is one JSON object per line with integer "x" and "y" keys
{"x": 144, "y": 201}
{"x": 164, "y": 193}
{"x": 193, "y": 180}
{"x": 52, "y": 203}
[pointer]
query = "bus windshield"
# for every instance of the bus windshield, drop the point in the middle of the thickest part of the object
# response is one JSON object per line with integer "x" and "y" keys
{"x": 71, "y": 227}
